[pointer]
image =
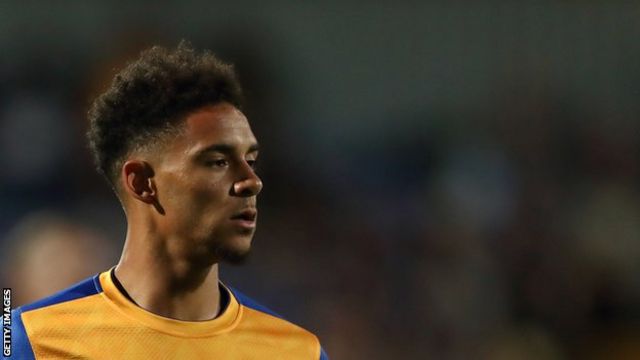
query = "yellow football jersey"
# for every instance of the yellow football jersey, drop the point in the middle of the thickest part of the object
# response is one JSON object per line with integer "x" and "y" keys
{"x": 95, "y": 320}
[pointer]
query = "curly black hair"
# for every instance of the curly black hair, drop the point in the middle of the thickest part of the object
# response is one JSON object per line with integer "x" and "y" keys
{"x": 151, "y": 96}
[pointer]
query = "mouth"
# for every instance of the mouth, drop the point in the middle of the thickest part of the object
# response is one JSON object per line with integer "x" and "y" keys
{"x": 246, "y": 218}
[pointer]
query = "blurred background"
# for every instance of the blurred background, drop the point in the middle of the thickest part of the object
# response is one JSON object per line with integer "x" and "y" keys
{"x": 443, "y": 180}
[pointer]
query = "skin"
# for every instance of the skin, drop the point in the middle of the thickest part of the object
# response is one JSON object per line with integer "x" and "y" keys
{"x": 180, "y": 199}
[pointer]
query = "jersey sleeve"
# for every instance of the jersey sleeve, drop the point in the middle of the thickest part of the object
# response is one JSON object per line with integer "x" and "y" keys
{"x": 20, "y": 345}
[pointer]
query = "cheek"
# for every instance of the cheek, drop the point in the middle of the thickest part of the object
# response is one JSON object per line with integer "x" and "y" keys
{"x": 191, "y": 197}
{"x": 206, "y": 198}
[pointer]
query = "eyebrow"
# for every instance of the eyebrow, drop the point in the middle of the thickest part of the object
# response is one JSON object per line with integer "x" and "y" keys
{"x": 225, "y": 149}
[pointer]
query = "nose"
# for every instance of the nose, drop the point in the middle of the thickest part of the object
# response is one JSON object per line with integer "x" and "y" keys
{"x": 250, "y": 185}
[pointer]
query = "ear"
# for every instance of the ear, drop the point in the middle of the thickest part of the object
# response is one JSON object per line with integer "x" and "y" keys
{"x": 138, "y": 181}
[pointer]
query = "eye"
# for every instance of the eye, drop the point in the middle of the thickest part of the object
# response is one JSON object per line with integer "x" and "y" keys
{"x": 252, "y": 163}
{"x": 217, "y": 163}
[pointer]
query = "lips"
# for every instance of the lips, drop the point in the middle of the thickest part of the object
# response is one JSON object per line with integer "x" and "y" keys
{"x": 245, "y": 220}
{"x": 246, "y": 215}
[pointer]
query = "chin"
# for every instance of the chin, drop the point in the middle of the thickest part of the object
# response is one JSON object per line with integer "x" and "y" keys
{"x": 235, "y": 251}
{"x": 233, "y": 256}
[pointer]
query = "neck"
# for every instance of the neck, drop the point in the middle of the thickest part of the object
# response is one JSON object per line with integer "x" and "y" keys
{"x": 165, "y": 284}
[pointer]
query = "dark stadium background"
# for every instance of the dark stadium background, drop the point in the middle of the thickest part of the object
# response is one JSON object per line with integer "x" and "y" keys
{"x": 443, "y": 180}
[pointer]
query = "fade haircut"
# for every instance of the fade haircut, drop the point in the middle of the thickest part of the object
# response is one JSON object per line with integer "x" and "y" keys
{"x": 150, "y": 97}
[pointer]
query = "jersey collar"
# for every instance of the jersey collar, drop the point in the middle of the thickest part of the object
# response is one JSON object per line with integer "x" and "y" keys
{"x": 223, "y": 323}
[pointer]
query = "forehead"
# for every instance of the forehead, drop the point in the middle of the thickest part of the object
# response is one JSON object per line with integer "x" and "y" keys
{"x": 216, "y": 124}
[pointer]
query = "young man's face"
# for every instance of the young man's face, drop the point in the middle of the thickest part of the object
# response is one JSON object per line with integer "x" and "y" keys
{"x": 207, "y": 186}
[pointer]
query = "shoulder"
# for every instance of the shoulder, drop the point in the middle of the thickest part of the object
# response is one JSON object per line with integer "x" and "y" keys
{"x": 260, "y": 316}
{"x": 20, "y": 343}
{"x": 246, "y": 301}
{"x": 88, "y": 287}
{"x": 29, "y": 320}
